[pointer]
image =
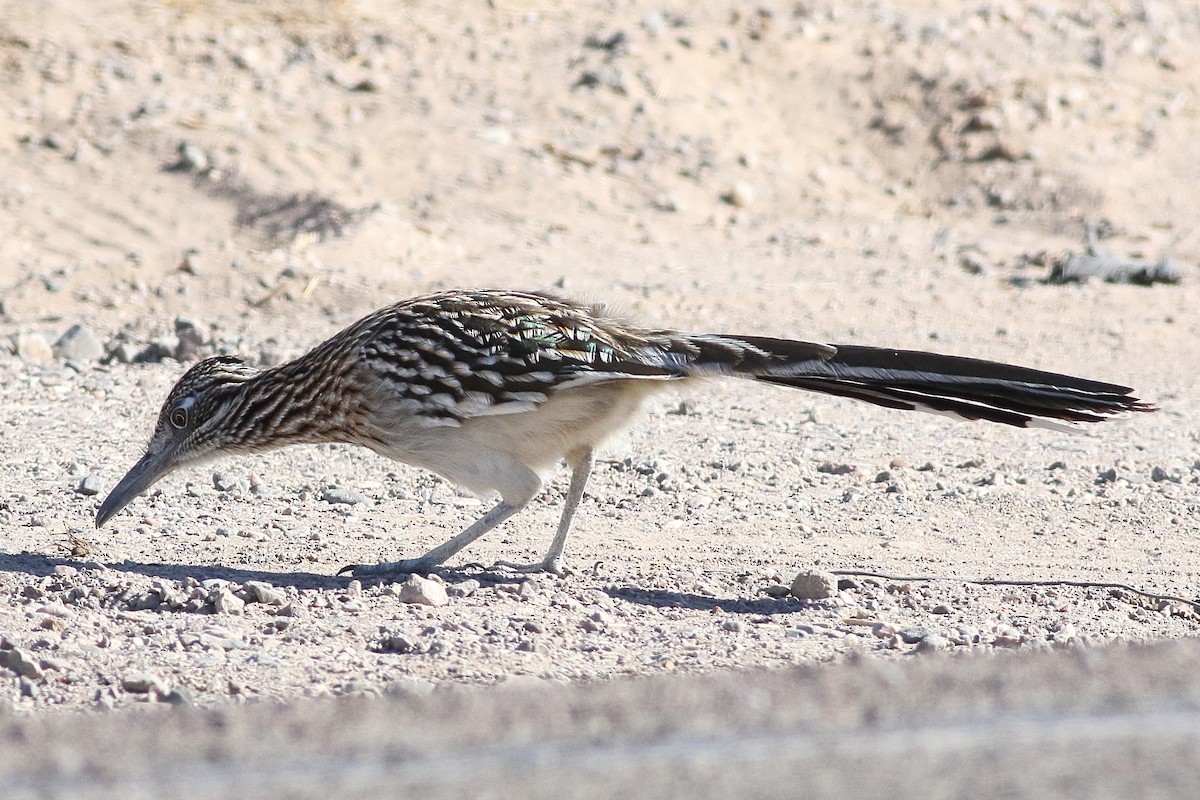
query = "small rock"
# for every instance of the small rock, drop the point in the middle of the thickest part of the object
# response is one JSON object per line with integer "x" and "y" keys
{"x": 143, "y": 683}
{"x": 33, "y": 348}
{"x": 1158, "y": 475}
{"x": 733, "y": 625}
{"x": 593, "y": 624}
{"x": 22, "y": 662}
{"x": 124, "y": 353}
{"x": 1008, "y": 636}
{"x": 654, "y": 22}
{"x": 230, "y": 482}
{"x": 193, "y": 337}
{"x": 814, "y": 585}
{"x": 84, "y": 152}
{"x": 463, "y": 588}
{"x": 933, "y": 643}
{"x": 396, "y": 643}
{"x": 79, "y": 343}
{"x": 263, "y": 592}
{"x": 221, "y": 639}
{"x": 291, "y": 610}
{"x": 914, "y": 634}
{"x": 668, "y": 201}
{"x": 191, "y": 158}
{"x": 422, "y": 591}
{"x": 942, "y": 608}
{"x": 90, "y": 485}
{"x": 226, "y": 602}
{"x": 347, "y": 497}
{"x": 741, "y": 194}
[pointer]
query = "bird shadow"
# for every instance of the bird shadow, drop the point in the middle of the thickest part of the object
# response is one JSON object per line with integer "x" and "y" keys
{"x": 661, "y": 598}
{"x": 40, "y": 565}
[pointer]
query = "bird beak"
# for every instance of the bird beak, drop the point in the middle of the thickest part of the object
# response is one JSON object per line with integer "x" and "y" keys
{"x": 145, "y": 473}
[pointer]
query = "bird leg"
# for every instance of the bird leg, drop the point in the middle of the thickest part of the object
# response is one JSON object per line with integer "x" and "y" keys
{"x": 497, "y": 514}
{"x": 581, "y": 469}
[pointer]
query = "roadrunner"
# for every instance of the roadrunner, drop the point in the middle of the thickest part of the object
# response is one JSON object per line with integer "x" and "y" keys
{"x": 491, "y": 388}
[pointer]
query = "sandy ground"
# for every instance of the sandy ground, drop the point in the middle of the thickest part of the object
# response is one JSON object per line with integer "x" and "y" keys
{"x": 192, "y": 177}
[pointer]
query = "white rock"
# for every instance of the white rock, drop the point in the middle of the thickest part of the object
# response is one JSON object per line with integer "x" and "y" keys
{"x": 226, "y": 602}
{"x": 814, "y": 585}
{"x": 143, "y": 683}
{"x": 423, "y": 592}
{"x": 79, "y": 343}
{"x": 742, "y": 194}
{"x": 263, "y": 592}
{"x": 33, "y": 348}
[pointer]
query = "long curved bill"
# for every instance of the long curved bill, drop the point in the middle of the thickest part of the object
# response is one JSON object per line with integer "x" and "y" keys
{"x": 145, "y": 473}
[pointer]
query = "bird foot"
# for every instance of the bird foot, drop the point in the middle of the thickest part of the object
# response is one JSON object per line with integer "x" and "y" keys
{"x": 554, "y": 566}
{"x": 406, "y": 566}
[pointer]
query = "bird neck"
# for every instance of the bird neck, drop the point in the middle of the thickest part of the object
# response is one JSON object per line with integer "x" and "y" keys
{"x": 304, "y": 401}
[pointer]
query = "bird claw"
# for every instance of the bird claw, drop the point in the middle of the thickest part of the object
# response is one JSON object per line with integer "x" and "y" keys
{"x": 552, "y": 566}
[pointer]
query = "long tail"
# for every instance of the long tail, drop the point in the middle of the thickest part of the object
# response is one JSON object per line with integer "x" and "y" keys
{"x": 968, "y": 388}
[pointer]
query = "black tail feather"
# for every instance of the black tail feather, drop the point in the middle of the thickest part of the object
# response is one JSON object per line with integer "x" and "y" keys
{"x": 969, "y": 388}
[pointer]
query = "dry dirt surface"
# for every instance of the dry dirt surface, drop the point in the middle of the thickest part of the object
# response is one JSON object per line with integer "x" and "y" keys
{"x": 186, "y": 178}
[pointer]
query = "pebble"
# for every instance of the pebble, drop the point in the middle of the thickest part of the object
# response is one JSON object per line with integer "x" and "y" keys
{"x": 914, "y": 634}
{"x": 463, "y": 588}
{"x": 34, "y": 348}
{"x": 220, "y": 639}
{"x": 595, "y": 623}
{"x": 422, "y": 591}
{"x": 90, "y": 485}
{"x": 79, "y": 343}
{"x": 741, "y": 194}
{"x": 933, "y": 643}
{"x": 1159, "y": 474}
{"x": 143, "y": 683}
{"x": 193, "y": 337}
{"x": 814, "y": 585}
{"x": 22, "y": 662}
{"x": 230, "y": 482}
{"x": 263, "y": 592}
{"x": 1008, "y": 636}
{"x": 397, "y": 643}
{"x": 191, "y": 158}
{"x": 347, "y": 497}
{"x": 226, "y": 602}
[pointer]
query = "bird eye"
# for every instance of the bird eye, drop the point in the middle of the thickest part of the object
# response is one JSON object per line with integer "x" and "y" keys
{"x": 179, "y": 418}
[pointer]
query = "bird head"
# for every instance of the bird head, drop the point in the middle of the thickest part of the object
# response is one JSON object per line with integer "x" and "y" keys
{"x": 191, "y": 428}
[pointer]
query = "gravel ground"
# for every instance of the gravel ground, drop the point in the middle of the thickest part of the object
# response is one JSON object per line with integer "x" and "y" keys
{"x": 193, "y": 178}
